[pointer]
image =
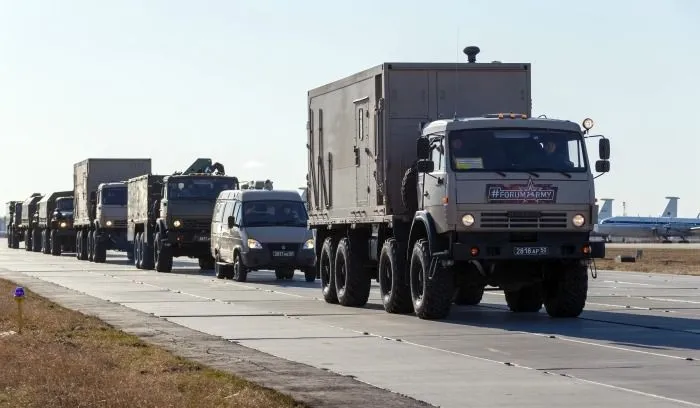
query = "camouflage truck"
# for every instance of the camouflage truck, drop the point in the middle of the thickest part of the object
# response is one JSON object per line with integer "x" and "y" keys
{"x": 14, "y": 218}
{"x": 27, "y": 226}
{"x": 100, "y": 205}
{"x": 414, "y": 182}
{"x": 170, "y": 215}
{"x": 54, "y": 212}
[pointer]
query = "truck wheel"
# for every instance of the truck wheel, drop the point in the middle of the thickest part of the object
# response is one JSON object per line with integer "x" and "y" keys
{"x": 146, "y": 261}
{"x": 99, "y": 254}
{"x": 27, "y": 241}
{"x": 468, "y": 294}
{"x": 310, "y": 274}
{"x": 526, "y": 300}
{"x": 138, "y": 250}
{"x": 393, "y": 285}
{"x": 409, "y": 189}
{"x": 55, "y": 244}
{"x": 206, "y": 263}
{"x": 240, "y": 272}
{"x": 36, "y": 240}
{"x": 565, "y": 290}
{"x": 78, "y": 247}
{"x": 91, "y": 246}
{"x": 9, "y": 237}
{"x": 352, "y": 283}
{"x": 326, "y": 271}
{"x": 46, "y": 241}
{"x": 432, "y": 297}
{"x": 162, "y": 256}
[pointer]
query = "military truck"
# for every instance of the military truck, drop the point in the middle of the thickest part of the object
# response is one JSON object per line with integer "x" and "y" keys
{"x": 415, "y": 182}
{"x": 170, "y": 215}
{"x": 100, "y": 205}
{"x": 54, "y": 227}
{"x": 14, "y": 218}
{"x": 27, "y": 226}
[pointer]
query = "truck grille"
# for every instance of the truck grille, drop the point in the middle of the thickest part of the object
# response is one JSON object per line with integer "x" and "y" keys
{"x": 196, "y": 224}
{"x": 119, "y": 223}
{"x": 523, "y": 219}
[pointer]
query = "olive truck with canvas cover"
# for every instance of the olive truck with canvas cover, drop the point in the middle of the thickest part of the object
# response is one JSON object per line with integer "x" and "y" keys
{"x": 27, "y": 227}
{"x": 55, "y": 213}
{"x": 100, "y": 205}
{"x": 170, "y": 216}
{"x": 14, "y": 218}
{"x": 413, "y": 181}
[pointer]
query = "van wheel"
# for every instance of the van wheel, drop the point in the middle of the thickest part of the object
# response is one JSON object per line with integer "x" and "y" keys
{"x": 310, "y": 275}
{"x": 240, "y": 272}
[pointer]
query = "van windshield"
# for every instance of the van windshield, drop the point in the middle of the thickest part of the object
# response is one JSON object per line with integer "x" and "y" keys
{"x": 272, "y": 213}
{"x": 516, "y": 150}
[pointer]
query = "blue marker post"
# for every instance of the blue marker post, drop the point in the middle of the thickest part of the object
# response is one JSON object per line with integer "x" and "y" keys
{"x": 19, "y": 298}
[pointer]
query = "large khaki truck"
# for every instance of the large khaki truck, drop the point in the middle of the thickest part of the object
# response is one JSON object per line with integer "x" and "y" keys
{"x": 14, "y": 218}
{"x": 434, "y": 179}
{"x": 27, "y": 226}
{"x": 100, "y": 205}
{"x": 53, "y": 212}
{"x": 170, "y": 216}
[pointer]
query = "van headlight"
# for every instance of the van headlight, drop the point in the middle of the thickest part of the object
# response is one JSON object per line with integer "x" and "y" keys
{"x": 253, "y": 244}
{"x": 309, "y": 244}
{"x": 468, "y": 220}
{"x": 578, "y": 220}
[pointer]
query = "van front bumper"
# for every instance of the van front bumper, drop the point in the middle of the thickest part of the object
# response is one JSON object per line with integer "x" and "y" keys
{"x": 268, "y": 258}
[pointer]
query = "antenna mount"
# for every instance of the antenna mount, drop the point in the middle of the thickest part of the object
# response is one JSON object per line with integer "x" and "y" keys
{"x": 471, "y": 52}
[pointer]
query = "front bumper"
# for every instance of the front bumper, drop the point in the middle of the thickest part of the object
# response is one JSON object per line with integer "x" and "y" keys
{"x": 525, "y": 245}
{"x": 274, "y": 257}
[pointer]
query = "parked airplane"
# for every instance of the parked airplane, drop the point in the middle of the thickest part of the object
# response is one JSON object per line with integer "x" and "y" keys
{"x": 605, "y": 209}
{"x": 663, "y": 227}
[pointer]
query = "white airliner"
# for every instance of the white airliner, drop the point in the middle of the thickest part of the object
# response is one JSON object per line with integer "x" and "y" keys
{"x": 667, "y": 225}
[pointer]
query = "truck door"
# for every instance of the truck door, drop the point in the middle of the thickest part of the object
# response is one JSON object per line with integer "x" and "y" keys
{"x": 435, "y": 188}
{"x": 362, "y": 151}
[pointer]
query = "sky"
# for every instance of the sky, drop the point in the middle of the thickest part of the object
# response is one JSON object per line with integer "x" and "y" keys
{"x": 175, "y": 80}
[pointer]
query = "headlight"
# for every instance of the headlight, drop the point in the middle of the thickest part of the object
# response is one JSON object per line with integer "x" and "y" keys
{"x": 578, "y": 220}
{"x": 177, "y": 223}
{"x": 63, "y": 224}
{"x": 309, "y": 244}
{"x": 109, "y": 223}
{"x": 253, "y": 244}
{"x": 468, "y": 220}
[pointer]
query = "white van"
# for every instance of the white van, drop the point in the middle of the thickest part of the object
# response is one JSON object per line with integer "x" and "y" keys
{"x": 261, "y": 230}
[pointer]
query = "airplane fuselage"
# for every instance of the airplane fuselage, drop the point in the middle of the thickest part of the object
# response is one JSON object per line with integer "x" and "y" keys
{"x": 648, "y": 227}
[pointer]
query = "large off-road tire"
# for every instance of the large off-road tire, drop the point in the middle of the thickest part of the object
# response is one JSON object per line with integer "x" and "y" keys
{"x": 162, "y": 255}
{"x": 55, "y": 244}
{"x": 326, "y": 270}
{"x": 45, "y": 242}
{"x": 240, "y": 272}
{"x": 138, "y": 250}
{"x": 9, "y": 237}
{"x": 526, "y": 300}
{"x": 409, "y": 189}
{"x": 99, "y": 252}
{"x": 147, "y": 262}
{"x": 27, "y": 241}
{"x": 91, "y": 246}
{"x": 206, "y": 263}
{"x": 432, "y": 297}
{"x": 566, "y": 290}
{"x": 394, "y": 286}
{"x": 352, "y": 282}
{"x": 36, "y": 240}
{"x": 469, "y": 294}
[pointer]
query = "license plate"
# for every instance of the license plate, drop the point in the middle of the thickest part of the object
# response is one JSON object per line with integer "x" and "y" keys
{"x": 203, "y": 238}
{"x": 282, "y": 253}
{"x": 530, "y": 251}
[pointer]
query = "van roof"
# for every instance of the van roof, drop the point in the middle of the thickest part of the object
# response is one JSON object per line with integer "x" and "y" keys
{"x": 245, "y": 195}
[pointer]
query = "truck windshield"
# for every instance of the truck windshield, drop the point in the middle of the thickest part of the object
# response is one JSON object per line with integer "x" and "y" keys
{"x": 193, "y": 188}
{"x": 272, "y": 213}
{"x": 114, "y": 196}
{"x": 64, "y": 204}
{"x": 516, "y": 150}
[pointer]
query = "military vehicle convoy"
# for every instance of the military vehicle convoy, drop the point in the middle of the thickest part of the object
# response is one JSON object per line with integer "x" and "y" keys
{"x": 417, "y": 181}
{"x": 170, "y": 215}
{"x": 27, "y": 225}
{"x": 14, "y": 218}
{"x": 100, "y": 205}
{"x": 55, "y": 229}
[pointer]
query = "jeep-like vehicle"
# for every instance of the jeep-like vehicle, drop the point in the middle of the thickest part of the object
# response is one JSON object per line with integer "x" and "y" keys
{"x": 170, "y": 215}
{"x": 54, "y": 221}
{"x": 415, "y": 182}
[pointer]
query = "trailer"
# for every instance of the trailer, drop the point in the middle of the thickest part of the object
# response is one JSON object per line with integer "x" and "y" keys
{"x": 27, "y": 225}
{"x": 419, "y": 179}
{"x": 100, "y": 205}
{"x": 14, "y": 218}
{"x": 54, "y": 212}
{"x": 170, "y": 215}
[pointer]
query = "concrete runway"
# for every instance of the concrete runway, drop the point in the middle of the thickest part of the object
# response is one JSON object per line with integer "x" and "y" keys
{"x": 654, "y": 245}
{"x": 637, "y": 344}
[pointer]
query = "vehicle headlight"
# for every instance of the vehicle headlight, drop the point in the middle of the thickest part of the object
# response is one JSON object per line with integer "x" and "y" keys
{"x": 108, "y": 223}
{"x": 578, "y": 220}
{"x": 309, "y": 244}
{"x": 468, "y": 220}
{"x": 177, "y": 223}
{"x": 253, "y": 244}
{"x": 63, "y": 224}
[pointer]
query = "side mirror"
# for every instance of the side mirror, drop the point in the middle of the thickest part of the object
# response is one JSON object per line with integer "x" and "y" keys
{"x": 425, "y": 166}
{"x": 604, "y": 149}
{"x": 602, "y": 166}
{"x": 231, "y": 221}
{"x": 423, "y": 148}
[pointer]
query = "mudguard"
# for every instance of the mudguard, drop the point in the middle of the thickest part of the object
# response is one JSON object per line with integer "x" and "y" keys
{"x": 422, "y": 221}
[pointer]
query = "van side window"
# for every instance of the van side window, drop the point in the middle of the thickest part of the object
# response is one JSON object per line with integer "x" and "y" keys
{"x": 237, "y": 213}
{"x": 219, "y": 211}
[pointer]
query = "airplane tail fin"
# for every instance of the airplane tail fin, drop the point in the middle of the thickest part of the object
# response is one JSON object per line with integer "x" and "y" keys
{"x": 671, "y": 209}
{"x": 606, "y": 209}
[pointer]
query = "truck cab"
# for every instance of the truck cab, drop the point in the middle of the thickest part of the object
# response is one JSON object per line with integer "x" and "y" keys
{"x": 110, "y": 205}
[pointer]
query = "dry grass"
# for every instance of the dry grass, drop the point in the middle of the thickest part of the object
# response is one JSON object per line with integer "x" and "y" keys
{"x": 66, "y": 359}
{"x": 659, "y": 260}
